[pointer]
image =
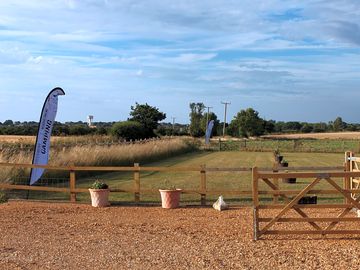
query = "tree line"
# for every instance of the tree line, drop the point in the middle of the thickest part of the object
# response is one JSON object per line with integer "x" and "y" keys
{"x": 248, "y": 123}
{"x": 145, "y": 122}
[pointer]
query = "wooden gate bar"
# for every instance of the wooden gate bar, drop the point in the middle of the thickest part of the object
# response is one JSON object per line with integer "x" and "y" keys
{"x": 342, "y": 214}
{"x": 289, "y": 205}
{"x": 348, "y": 168}
{"x": 255, "y": 187}
{"x": 299, "y": 211}
{"x": 344, "y": 190}
{"x": 346, "y": 195}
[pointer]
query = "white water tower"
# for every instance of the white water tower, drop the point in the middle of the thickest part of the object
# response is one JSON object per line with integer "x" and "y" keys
{"x": 90, "y": 118}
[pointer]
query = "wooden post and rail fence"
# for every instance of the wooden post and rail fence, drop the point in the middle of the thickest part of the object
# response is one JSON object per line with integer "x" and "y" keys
{"x": 202, "y": 191}
{"x": 283, "y": 199}
{"x": 73, "y": 190}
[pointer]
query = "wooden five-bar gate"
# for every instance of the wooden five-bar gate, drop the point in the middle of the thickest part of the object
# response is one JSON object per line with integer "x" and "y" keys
{"x": 337, "y": 182}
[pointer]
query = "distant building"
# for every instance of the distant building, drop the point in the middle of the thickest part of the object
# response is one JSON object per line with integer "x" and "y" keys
{"x": 90, "y": 119}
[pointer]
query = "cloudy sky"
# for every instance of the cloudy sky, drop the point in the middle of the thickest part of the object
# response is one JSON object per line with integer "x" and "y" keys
{"x": 289, "y": 60}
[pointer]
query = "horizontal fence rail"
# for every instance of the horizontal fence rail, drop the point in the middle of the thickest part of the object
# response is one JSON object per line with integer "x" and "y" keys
{"x": 137, "y": 191}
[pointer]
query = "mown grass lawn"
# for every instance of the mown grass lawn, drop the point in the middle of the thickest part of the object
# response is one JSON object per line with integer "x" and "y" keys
{"x": 215, "y": 180}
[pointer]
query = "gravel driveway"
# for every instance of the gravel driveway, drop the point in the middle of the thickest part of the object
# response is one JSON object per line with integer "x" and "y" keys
{"x": 73, "y": 236}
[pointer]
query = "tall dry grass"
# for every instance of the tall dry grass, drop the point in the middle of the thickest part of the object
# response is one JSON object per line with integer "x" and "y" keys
{"x": 9, "y": 155}
{"x": 97, "y": 155}
{"x": 125, "y": 154}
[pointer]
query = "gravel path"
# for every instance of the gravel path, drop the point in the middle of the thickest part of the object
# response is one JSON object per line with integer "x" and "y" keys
{"x": 66, "y": 236}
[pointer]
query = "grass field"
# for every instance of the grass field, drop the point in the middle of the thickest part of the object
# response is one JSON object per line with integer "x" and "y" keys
{"x": 290, "y": 145}
{"x": 191, "y": 180}
{"x": 351, "y": 135}
{"x": 215, "y": 180}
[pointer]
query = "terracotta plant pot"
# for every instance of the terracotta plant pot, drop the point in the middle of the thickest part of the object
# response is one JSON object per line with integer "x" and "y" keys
{"x": 99, "y": 197}
{"x": 170, "y": 198}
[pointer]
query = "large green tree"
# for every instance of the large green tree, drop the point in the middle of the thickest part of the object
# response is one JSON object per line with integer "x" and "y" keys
{"x": 148, "y": 116}
{"x": 339, "y": 124}
{"x": 247, "y": 123}
{"x": 196, "y": 115}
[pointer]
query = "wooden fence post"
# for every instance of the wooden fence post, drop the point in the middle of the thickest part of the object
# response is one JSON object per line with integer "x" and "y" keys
{"x": 137, "y": 182}
{"x": 203, "y": 184}
{"x": 72, "y": 185}
{"x": 347, "y": 168}
{"x": 276, "y": 183}
{"x": 255, "y": 191}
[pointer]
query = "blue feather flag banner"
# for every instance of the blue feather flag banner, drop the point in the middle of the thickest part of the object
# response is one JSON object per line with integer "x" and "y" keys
{"x": 209, "y": 131}
{"x": 42, "y": 145}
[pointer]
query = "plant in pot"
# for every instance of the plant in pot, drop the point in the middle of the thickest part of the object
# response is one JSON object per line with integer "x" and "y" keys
{"x": 99, "y": 193}
{"x": 170, "y": 196}
{"x": 284, "y": 163}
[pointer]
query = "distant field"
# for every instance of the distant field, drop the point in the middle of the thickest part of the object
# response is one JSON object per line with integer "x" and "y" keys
{"x": 332, "y": 135}
{"x": 17, "y": 139}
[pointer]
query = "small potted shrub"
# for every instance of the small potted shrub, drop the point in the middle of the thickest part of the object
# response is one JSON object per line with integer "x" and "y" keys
{"x": 99, "y": 193}
{"x": 170, "y": 196}
{"x": 308, "y": 200}
{"x": 285, "y": 164}
{"x": 291, "y": 180}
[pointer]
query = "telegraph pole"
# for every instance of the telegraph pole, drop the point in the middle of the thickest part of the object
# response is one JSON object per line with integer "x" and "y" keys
{"x": 173, "y": 125}
{"x": 207, "y": 116}
{"x": 225, "y": 103}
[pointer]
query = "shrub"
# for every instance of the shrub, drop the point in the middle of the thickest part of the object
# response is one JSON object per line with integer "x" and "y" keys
{"x": 80, "y": 130}
{"x": 128, "y": 130}
{"x": 99, "y": 185}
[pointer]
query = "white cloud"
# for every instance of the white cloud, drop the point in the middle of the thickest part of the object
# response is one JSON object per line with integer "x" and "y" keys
{"x": 193, "y": 57}
{"x": 195, "y": 49}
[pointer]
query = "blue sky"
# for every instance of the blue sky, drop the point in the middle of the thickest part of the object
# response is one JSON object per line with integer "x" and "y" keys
{"x": 289, "y": 60}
